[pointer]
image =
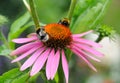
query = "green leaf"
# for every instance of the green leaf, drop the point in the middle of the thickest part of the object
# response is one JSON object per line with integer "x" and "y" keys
{"x": 14, "y": 76}
{"x": 4, "y": 51}
{"x": 81, "y": 6}
{"x": 88, "y": 14}
{"x": 18, "y": 27}
{"x": 33, "y": 79}
{"x": 21, "y": 79}
{"x": 3, "y": 20}
{"x": 17, "y": 33}
{"x": 19, "y": 22}
{"x": 1, "y": 36}
{"x": 22, "y": 27}
{"x": 56, "y": 78}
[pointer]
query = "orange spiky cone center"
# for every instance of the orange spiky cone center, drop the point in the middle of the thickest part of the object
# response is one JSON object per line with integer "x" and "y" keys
{"x": 60, "y": 35}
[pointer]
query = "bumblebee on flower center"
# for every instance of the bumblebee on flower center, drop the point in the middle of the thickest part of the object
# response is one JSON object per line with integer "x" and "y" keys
{"x": 56, "y": 35}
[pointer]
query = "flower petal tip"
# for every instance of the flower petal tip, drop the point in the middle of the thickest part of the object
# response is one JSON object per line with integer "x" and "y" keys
{"x": 48, "y": 78}
{"x": 94, "y": 69}
{"x": 32, "y": 73}
{"x": 100, "y": 45}
{"x": 12, "y": 53}
{"x": 32, "y": 34}
{"x": 13, "y": 40}
{"x": 99, "y": 61}
{"x": 52, "y": 77}
{"x": 91, "y": 31}
{"x": 13, "y": 61}
{"x": 66, "y": 81}
{"x": 102, "y": 55}
{"x": 22, "y": 69}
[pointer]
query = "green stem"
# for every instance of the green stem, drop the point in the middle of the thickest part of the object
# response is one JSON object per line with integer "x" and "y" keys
{"x": 4, "y": 39}
{"x": 99, "y": 39}
{"x": 71, "y": 10}
{"x": 60, "y": 73}
{"x": 34, "y": 14}
{"x": 27, "y": 5}
{"x": 18, "y": 63}
{"x": 27, "y": 80}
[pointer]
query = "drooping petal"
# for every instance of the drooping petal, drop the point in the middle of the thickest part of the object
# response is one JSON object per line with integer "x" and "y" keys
{"x": 32, "y": 59}
{"x": 89, "y": 49}
{"x": 85, "y": 59}
{"x": 55, "y": 64}
{"x": 32, "y": 35}
{"x": 24, "y": 40}
{"x": 85, "y": 54}
{"x": 25, "y": 48}
{"x": 82, "y": 34}
{"x": 40, "y": 62}
{"x": 25, "y": 54}
{"x": 65, "y": 66}
{"x": 48, "y": 64}
{"x": 87, "y": 42}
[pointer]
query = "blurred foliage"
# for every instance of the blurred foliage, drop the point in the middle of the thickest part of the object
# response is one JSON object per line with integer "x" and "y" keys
{"x": 112, "y": 17}
{"x": 3, "y": 20}
{"x": 5, "y": 51}
{"x": 14, "y": 76}
{"x": 88, "y": 14}
{"x": 11, "y": 8}
{"x": 18, "y": 27}
{"x": 52, "y": 10}
{"x": 105, "y": 31}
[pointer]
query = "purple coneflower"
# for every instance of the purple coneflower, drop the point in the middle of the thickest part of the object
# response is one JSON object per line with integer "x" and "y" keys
{"x": 48, "y": 45}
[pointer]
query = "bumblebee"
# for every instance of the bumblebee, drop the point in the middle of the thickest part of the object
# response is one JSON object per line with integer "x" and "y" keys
{"x": 64, "y": 22}
{"x": 43, "y": 36}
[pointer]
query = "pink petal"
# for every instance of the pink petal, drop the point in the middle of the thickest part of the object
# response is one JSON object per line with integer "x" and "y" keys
{"x": 89, "y": 49}
{"x": 32, "y": 35}
{"x": 85, "y": 54}
{"x": 85, "y": 59}
{"x": 32, "y": 59}
{"x": 25, "y": 48}
{"x": 24, "y": 40}
{"x": 55, "y": 63}
{"x": 87, "y": 42}
{"x": 39, "y": 62}
{"x": 82, "y": 34}
{"x": 65, "y": 66}
{"x": 25, "y": 54}
{"x": 48, "y": 64}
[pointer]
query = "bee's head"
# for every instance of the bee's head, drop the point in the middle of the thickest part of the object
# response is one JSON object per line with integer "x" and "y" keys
{"x": 43, "y": 36}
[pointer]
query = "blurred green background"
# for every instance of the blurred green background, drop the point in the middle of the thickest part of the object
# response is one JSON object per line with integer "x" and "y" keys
{"x": 52, "y": 11}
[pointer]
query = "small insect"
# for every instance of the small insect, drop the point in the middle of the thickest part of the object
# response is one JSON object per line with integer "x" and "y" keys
{"x": 64, "y": 22}
{"x": 43, "y": 36}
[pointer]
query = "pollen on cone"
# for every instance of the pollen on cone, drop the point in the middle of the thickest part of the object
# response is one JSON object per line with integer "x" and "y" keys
{"x": 58, "y": 31}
